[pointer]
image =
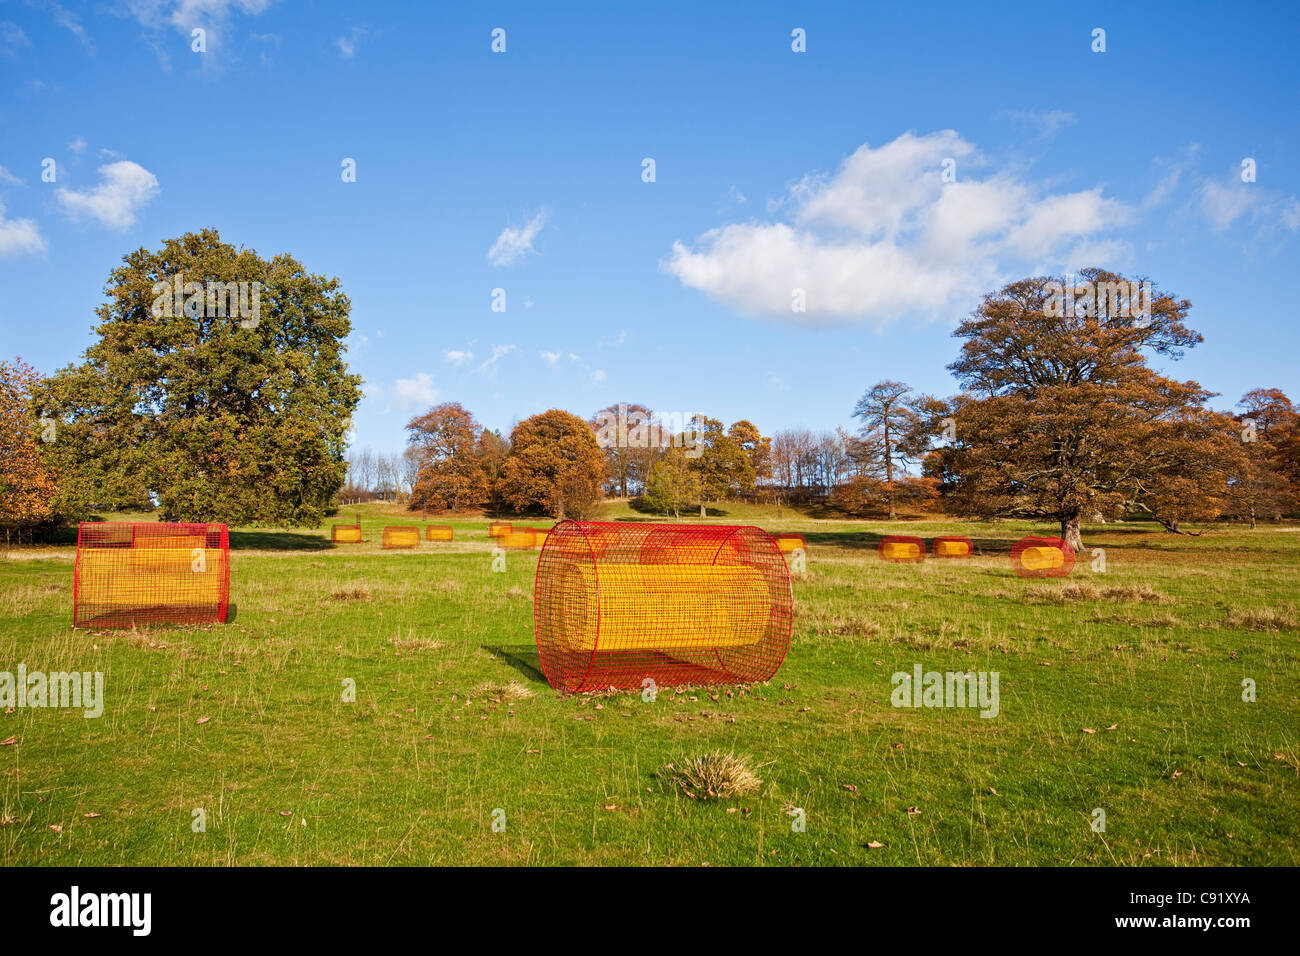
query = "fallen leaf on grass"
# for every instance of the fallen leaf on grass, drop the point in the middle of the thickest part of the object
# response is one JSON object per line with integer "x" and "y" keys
{"x": 851, "y": 788}
{"x": 6, "y": 743}
{"x": 874, "y": 845}
{"x": 90, "y": 816}
{"x": 1177, "y": 774}
{"x": 913, "y": 811}
{"x": 56, "y": 828}
{"x": 992, "y": 791}
{"x": 1089, "y": 730}
{"x": 203, "y": 720}
{"x": 1113, "y": 727}
{"x": 611, "y": 806}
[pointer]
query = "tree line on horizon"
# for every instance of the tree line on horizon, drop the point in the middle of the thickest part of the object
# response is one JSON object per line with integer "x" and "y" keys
{"x": 1059, "y": 417}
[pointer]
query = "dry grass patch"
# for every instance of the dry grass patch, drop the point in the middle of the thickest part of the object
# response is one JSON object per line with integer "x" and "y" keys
{"x": 351, "y": 594}
{"x": 1077, "y": 591}
{"x": 1262, "y": 619}
{"x": 509, "y": 692}
{"x": 409, "y": 642}
{"x": 715, "y": 776}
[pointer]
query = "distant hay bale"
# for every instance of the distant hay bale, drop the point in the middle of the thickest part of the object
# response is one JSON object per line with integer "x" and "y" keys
{"x": 498, "y": 528}
{"x": 401, "y": 536}
{"x": 439, "y": 532}
{"x": 346, "y": 534}
{"x": 952, "y": 547}
{"x": 900, "y": 548}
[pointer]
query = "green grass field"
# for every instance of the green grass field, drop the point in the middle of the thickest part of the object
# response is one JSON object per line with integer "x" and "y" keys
{"x": 1120, "y": 691}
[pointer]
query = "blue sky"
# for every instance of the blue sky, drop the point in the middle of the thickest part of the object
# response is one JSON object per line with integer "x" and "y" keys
{"x": 774, "y": 170}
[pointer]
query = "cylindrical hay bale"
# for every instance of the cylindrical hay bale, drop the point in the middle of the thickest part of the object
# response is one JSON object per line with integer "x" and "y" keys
{"x": 618, "y": 604}
{"x": 539, "y": 537}
{"x": 439, "y": 532}
{"x": 900, "y": 548}
{"x": 517, "y": 539}
{"x": 952, "y": 547}
{"x": 145, "y": 573}
{"x": 498, "y": 528}
{"x": 401, "y": 536}
{"x": 346, "y": 534}
{"x": 790, "y": 542}
{"x": 1042, "y": 558}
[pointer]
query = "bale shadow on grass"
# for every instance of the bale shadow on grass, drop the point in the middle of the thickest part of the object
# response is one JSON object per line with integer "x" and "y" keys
{"x": 278, "y": 541}
{"x": 522, "y": 657}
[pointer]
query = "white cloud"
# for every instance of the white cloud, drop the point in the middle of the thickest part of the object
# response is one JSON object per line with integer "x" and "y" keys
{"x": 489, "y": 367}
{"x": 184, "y": 16}
{"x": 415, "y": 392}
{"x": 8, "y": 178}
{"x": 598, "y": 377}
{"x": 124, "y": 189}
{"x": 19, "y": 236}
{"x": 1224, "y": 204}
{"x": 64, "y": 18}
{"x": 458, "y": 356}
{"x": 78, "y": 145}
{"x": 550, "y": 357}
{"x": 1291, "y": 214}
{"x": 516, "y": 242}
{"x": 1044, "y": 124}
{"x": 348, "y": 44}
{"x": 12, "y": 37}
{"x": 886, "y": 236}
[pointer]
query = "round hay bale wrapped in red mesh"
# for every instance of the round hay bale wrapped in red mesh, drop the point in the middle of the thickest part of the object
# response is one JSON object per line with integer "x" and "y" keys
{"x": 952, "y": 546}
{"x": 401, "y": 536}
{"x": 901, "y": 548}
{"x": 620, "y": 605}
{"x": 130, "y": 573}
{"x": 1042, "y": 558}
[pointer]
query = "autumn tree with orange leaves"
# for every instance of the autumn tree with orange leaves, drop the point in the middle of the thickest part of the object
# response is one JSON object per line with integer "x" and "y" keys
{"x": 555, "y": 466}
{"x": 443, "y": 442}
{"x": 1062, "y": 419}
{"x": 27, "y": 485}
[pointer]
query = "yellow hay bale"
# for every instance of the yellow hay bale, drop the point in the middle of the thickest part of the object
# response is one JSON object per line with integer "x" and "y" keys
{"x": 1042, "y": 559}
{"x": 346, "y": 534}
{"x": 523, "y": 538}
{"x": 401, "y": 537}
{"x": 498, "y": 528}
{"x": 616, "y": 604}
{"x": 437, "y": 532}
{"x": 901, "y": 550}
{"x": 951, "y": 549}
{"x": 787, "y": 543}
{"x": 159, "y": 577}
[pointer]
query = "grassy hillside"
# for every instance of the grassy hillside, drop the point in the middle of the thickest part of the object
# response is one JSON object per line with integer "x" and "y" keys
{"x": 1120, "y": 691}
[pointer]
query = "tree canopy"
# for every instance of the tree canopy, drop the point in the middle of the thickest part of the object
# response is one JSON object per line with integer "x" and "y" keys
{"x": 208, "y": 415}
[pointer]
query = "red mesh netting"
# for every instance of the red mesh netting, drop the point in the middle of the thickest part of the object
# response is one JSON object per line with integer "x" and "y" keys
{"x": 952, "y": 546}
{"x": 128, "y": 574}
{"x": 791, "y": 542}
{"x": 615, "y": 604}
{"x": 1042, "y": 558}
{"x": 897, "y": 547}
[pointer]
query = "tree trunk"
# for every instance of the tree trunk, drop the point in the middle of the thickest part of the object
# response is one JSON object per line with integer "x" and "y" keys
{"x": 1070, "y": 533}
{"x": 703, "y": 509}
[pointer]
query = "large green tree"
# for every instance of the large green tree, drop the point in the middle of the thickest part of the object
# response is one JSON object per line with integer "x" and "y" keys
{"x": 209, "y": 415}
{"x": 722, "y": 466}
